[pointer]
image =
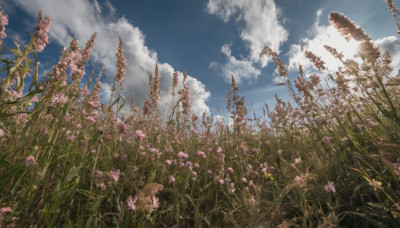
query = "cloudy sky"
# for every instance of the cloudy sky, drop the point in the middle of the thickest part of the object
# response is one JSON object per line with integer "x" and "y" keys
{"x": 211, "y": 39}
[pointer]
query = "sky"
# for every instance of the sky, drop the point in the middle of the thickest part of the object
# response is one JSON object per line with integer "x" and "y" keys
{"x": 211, "y": 39}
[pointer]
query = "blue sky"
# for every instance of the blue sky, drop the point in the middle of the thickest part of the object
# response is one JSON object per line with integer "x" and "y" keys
{"x": 211, "y": 39}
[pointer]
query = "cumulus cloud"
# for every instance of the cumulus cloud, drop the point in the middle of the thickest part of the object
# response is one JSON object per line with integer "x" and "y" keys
{"x": 392, "y": 45}
{"x": 259, "y": 26}
{"x": 77, "y": 18}
{"x": 240, "y": 69}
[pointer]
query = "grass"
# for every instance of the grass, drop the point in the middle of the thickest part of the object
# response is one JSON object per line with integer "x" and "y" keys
{"x": 327, "y": 158}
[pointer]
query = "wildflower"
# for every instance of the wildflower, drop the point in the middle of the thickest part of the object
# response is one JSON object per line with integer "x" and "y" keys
{"x": 318, "y": 63}
{"x": 88, "y": 48}
{"x": 209, "y": 171}
{"x": 121, "y": 63}
{"x": 230, "y": 170}
{"x": 327, "y": 142}
{"x": 221, "y": 181}
{"x": 174, "y": 79}
{"x": 244, "y": 179}
{"x": 168, "y": 162}
{"x": 1, "y": 133}
{"x": 297, "y": 160}
{"x": 116, "y": 156}
{"x": 30, "y": 161}
{"x": 122, "y": 128}
{"x": 91, "y": 119}
{"x": 196, "y": 165}
{"x": 255, "y": 151}
{"x": 41, "y": 33}
{"x": 201, "y": 154}
{"x": 3, "y": 23}
{"x": 299, "y": 180}
{"x": 171, "y": 179}
{"x": 140, "y": 135}
{"x": 114, "y": 175}
{"x": 219, "y": 150}
{"x": 375, "y": 184}
{"x": 98, "y": 174}
{"x": 102, "y": 186}
{"x": 182, "y": 155}
{"x": 93, "y": 151}
{"x": 5, "y": 210}
{"x": 131, "y": 202}
{"x": 155, "y": 203}
{"x": 194, "y": 173}
{"x": 79, "y": 126}
{"x": 330, "y": 187}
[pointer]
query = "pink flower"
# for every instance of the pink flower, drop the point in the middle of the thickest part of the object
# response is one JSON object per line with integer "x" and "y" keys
{"x": 122, "y": 128}
{"x": 201, "y": 154}
{"x": 1, "y": 133}
{"x": 297, "y": 160}
{"x": 209, "y": 171}
{"x": 121, "y": 63}
{"x": 5, "y": 210}
{"x": 221, "y": 181}
{"x": 131, "y": 202}
{"x": 102, "y": 186}
{"x": 3, "y": 23}
{"x": 41, "y": 33}
{"x": 139, "y": 134}
{"x": 196, "y": 165}
{"x": 254, "y": 150}
{"x": 169, "y": 162}
{"x": 30, "y": 161}
{"x": 230, "y": 169}
{"x": 79, "y": 126}
{"x": 114, "y": 175}
{"x": 91, "y": 119}
{"x": 327, "y": 142}
{"x": 299, "y": 180}
{"x": 330, "y": 187}
{"x": 194, "y": 173}
{"x": 182, "y": 155}
{"x": 264, "y": 170}
{"x": 155, "y": 203}
{"x": 171, "y": 179}
{"x": 244, "y": 179}
{"x": 219, "y": 150}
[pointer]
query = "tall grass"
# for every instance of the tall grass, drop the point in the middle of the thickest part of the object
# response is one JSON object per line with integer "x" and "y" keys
{"x": 330, "y": 157}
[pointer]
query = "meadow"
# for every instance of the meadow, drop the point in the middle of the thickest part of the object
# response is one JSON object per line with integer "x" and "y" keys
{"x": 329, "y": 157}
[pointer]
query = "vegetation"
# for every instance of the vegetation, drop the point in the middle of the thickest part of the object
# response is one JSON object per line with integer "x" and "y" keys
{"x": 328, "y": 158}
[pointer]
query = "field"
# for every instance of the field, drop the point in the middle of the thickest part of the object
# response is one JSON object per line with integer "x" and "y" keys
{"x": 330, "y": 157}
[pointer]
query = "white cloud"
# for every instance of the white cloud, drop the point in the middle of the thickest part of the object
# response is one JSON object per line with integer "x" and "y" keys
{"x": 261, "y": 24}
{"x": 321, "y": 35}
{"x": 391, "y": 44}
{"x": 240, "y": 69}
{"x": 81, "y": 19}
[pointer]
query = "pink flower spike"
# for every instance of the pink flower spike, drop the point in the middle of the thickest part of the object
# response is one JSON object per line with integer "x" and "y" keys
{"x": 168, "y": 162}
{"x": 230, "y": 170}
{"x": 219, "y": 150}
{"x": 330, "y": 187}
{"x": 30, "y": 161}
{"x": 1, "y": 133}
{"x": 221, "y": 181}
{"x": 131, "y": 202}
